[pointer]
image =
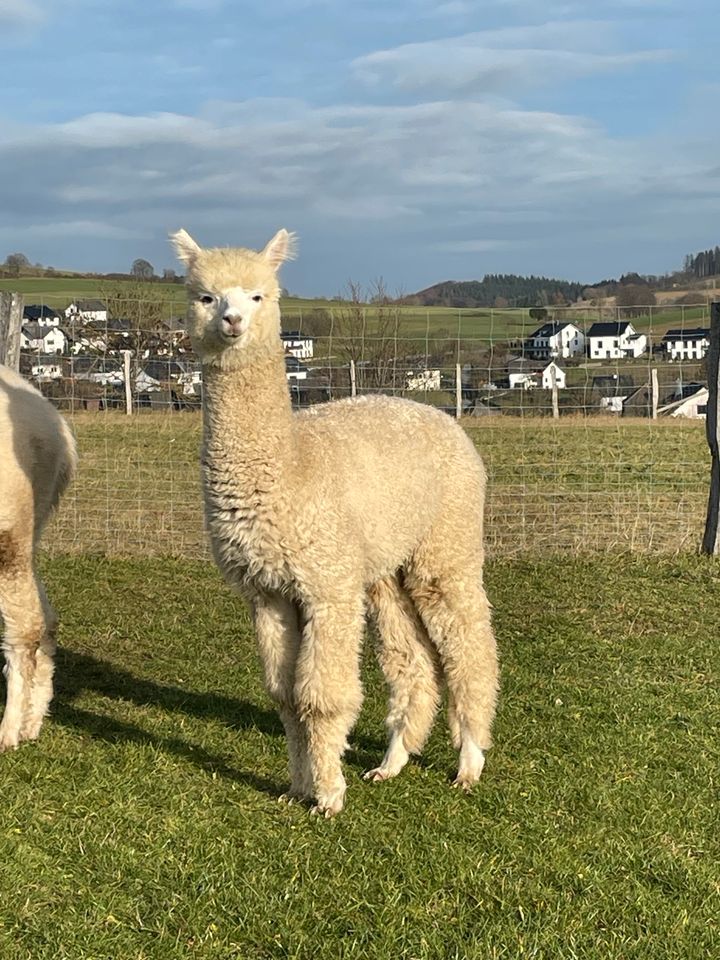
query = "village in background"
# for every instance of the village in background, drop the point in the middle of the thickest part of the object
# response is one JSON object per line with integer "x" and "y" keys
{"x": 635, "y": 347}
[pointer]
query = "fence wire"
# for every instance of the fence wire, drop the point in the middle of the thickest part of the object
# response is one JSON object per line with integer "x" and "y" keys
{"x": 590, "y": 419}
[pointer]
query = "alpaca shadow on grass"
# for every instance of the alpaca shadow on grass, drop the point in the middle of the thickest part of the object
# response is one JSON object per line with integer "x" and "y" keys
{"x": 80, "y": 672}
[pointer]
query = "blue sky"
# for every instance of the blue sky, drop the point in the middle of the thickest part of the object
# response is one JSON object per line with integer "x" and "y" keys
{"x": 417, "y": 140}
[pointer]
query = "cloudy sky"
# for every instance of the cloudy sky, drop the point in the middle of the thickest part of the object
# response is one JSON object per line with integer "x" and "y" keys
{"x": 417, "y": 140}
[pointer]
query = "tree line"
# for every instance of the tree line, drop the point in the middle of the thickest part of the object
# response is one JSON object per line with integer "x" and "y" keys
{"x": 706, "y": 263}
{"x": 498, "y": 290}
{"x": 18, "y": 264}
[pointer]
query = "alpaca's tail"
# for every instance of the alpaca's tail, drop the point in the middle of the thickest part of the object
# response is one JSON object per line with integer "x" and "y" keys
{"x": 67, "y": 462}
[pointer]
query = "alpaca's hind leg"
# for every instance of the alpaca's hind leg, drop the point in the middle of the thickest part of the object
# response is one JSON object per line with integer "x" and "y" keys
{"x": 410, "y": 664}
{"x": 456, "y": 612}
{"x": 278, "y": 636}
{"x": 42, "y": 688}
{"x": 328, "y": 691}
{"x": 25, "y": 634}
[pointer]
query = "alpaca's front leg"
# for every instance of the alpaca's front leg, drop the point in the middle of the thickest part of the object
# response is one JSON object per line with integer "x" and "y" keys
{"x": 328, "y": 692}
{"x": 278, "y": 637}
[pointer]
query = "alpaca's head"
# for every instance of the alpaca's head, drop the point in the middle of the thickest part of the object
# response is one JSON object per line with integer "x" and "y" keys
{"x": 233, "y": 296}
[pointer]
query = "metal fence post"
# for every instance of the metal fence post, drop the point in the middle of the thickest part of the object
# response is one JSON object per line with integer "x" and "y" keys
{"x": 712, "y": 426}
{"x": 11, "y": 311}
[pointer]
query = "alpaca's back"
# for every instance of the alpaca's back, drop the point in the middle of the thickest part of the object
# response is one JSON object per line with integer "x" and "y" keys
{"x": 394, "y": 463}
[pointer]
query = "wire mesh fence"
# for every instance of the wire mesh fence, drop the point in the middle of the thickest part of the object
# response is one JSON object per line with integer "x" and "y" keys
{"x": 589, "y": 418}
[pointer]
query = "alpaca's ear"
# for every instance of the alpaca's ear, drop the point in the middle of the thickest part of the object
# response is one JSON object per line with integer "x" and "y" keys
{"x": 282, "y": 247}
{"x": 185, "y": 247}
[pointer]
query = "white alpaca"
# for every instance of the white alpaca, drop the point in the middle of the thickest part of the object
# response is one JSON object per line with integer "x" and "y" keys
{"x": 314, "y": 515}
{"x": 38, "y": 457}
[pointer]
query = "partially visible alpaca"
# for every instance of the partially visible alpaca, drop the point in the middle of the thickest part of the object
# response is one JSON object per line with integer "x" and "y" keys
{"x": 37, "y": 461}
{"x": 312, "y": 515}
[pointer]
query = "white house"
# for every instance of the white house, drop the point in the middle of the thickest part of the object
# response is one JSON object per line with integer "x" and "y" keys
{"x": 694, "y": 407}
{"x": 46, "y": 367}
{"x": 83, "y": 343}
{"x": 294, "y": 370}
{"x": 101, "y": 370}
{"x": 555, "y": 340}
{"x": 687, "y": 344}
{"x": 45, "y": 339}
{"x": 522, "y": 374}
{"x": 88, "y": 311}
{"x": 41, "y": 315}
{"x": 614, "y": 341}
{"x": 298, "y": 344}
{"x": 191, "y": 379}
{"x": 422, "y": 380}
{"x": 553, "y": 374}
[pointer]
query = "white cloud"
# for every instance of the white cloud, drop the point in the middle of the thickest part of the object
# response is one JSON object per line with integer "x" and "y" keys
{"x": 76, "y": 228}
{"x": 361, "y": 163}
{"x": 501, "y": 61}
{"x": 462, "y": 179}
{"x": 20, "y": 13}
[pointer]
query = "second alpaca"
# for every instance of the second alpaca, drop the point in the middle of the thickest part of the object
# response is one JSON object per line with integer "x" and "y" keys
{"x": 314, "y": 515}
{"x": 37, "y": 461}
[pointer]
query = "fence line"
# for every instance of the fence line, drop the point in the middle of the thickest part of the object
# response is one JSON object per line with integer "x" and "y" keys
{"x": 584, "y": 452}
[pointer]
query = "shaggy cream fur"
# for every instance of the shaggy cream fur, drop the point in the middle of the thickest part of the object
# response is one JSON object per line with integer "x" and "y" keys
{"x": 38, "y": 457}
{"x": 315, "y": 515}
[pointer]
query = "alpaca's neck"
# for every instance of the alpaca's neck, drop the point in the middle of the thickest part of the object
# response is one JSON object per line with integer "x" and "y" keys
{"x": 248, "y": 426}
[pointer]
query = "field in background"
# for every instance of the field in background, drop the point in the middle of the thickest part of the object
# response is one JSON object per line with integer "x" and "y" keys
{"x": 145, "y": 823}
{"x": 415, "y": 323}
{"x": 578, "y": 484}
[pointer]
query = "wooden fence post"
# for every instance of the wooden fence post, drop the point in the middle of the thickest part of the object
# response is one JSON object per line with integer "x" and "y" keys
{"x": 458, "y": 391}
{"x": 654, "y": 391}
{"x": 712, "y": 427}
{"x": 11, "y": 311}
{"x": 353, "y": 382}
{"x": 126, "y": 377}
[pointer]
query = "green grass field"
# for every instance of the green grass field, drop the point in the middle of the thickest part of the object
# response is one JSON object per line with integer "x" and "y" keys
{"x": 420, "y": 325}
{"x": 145, "y": 823}
{"x": 584, "y": 485}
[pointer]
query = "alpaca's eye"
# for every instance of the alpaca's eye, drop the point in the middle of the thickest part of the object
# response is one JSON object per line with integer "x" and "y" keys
{"x": 206, "y": 298}
{"x": 257, "y": 298}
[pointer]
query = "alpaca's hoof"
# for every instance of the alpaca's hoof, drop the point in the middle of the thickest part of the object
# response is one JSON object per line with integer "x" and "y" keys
{"x": 322, "y": 811}
{"x": 472, "y": 762}
{"x": 293, "y": 796}
{"x": 378, "y": 775}
{"x": 8, "y": 743}
{"x": 464, "y": 783}
{"x": 329, "y": 804}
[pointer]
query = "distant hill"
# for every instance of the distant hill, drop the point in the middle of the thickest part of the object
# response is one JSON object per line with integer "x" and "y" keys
{"x": 499, "y": 290}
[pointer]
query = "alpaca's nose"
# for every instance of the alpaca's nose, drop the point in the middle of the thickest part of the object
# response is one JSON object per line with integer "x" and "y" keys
{"x": 232, "y": 324}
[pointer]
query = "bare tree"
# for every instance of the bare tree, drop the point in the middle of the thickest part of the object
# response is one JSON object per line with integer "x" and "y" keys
{"x": 365, "y": 330}
{"x": 15, "y": 262}
{"x": 634, "y": 299}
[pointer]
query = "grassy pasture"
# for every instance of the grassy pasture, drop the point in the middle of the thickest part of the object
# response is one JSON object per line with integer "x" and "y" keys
{"x": 145, "y": 824}
{"x": 577, "y": 484}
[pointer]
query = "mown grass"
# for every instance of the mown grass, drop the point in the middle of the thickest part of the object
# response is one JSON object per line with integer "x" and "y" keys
{"x": 596, "y": 483}
{"x": 145, "y": 824}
